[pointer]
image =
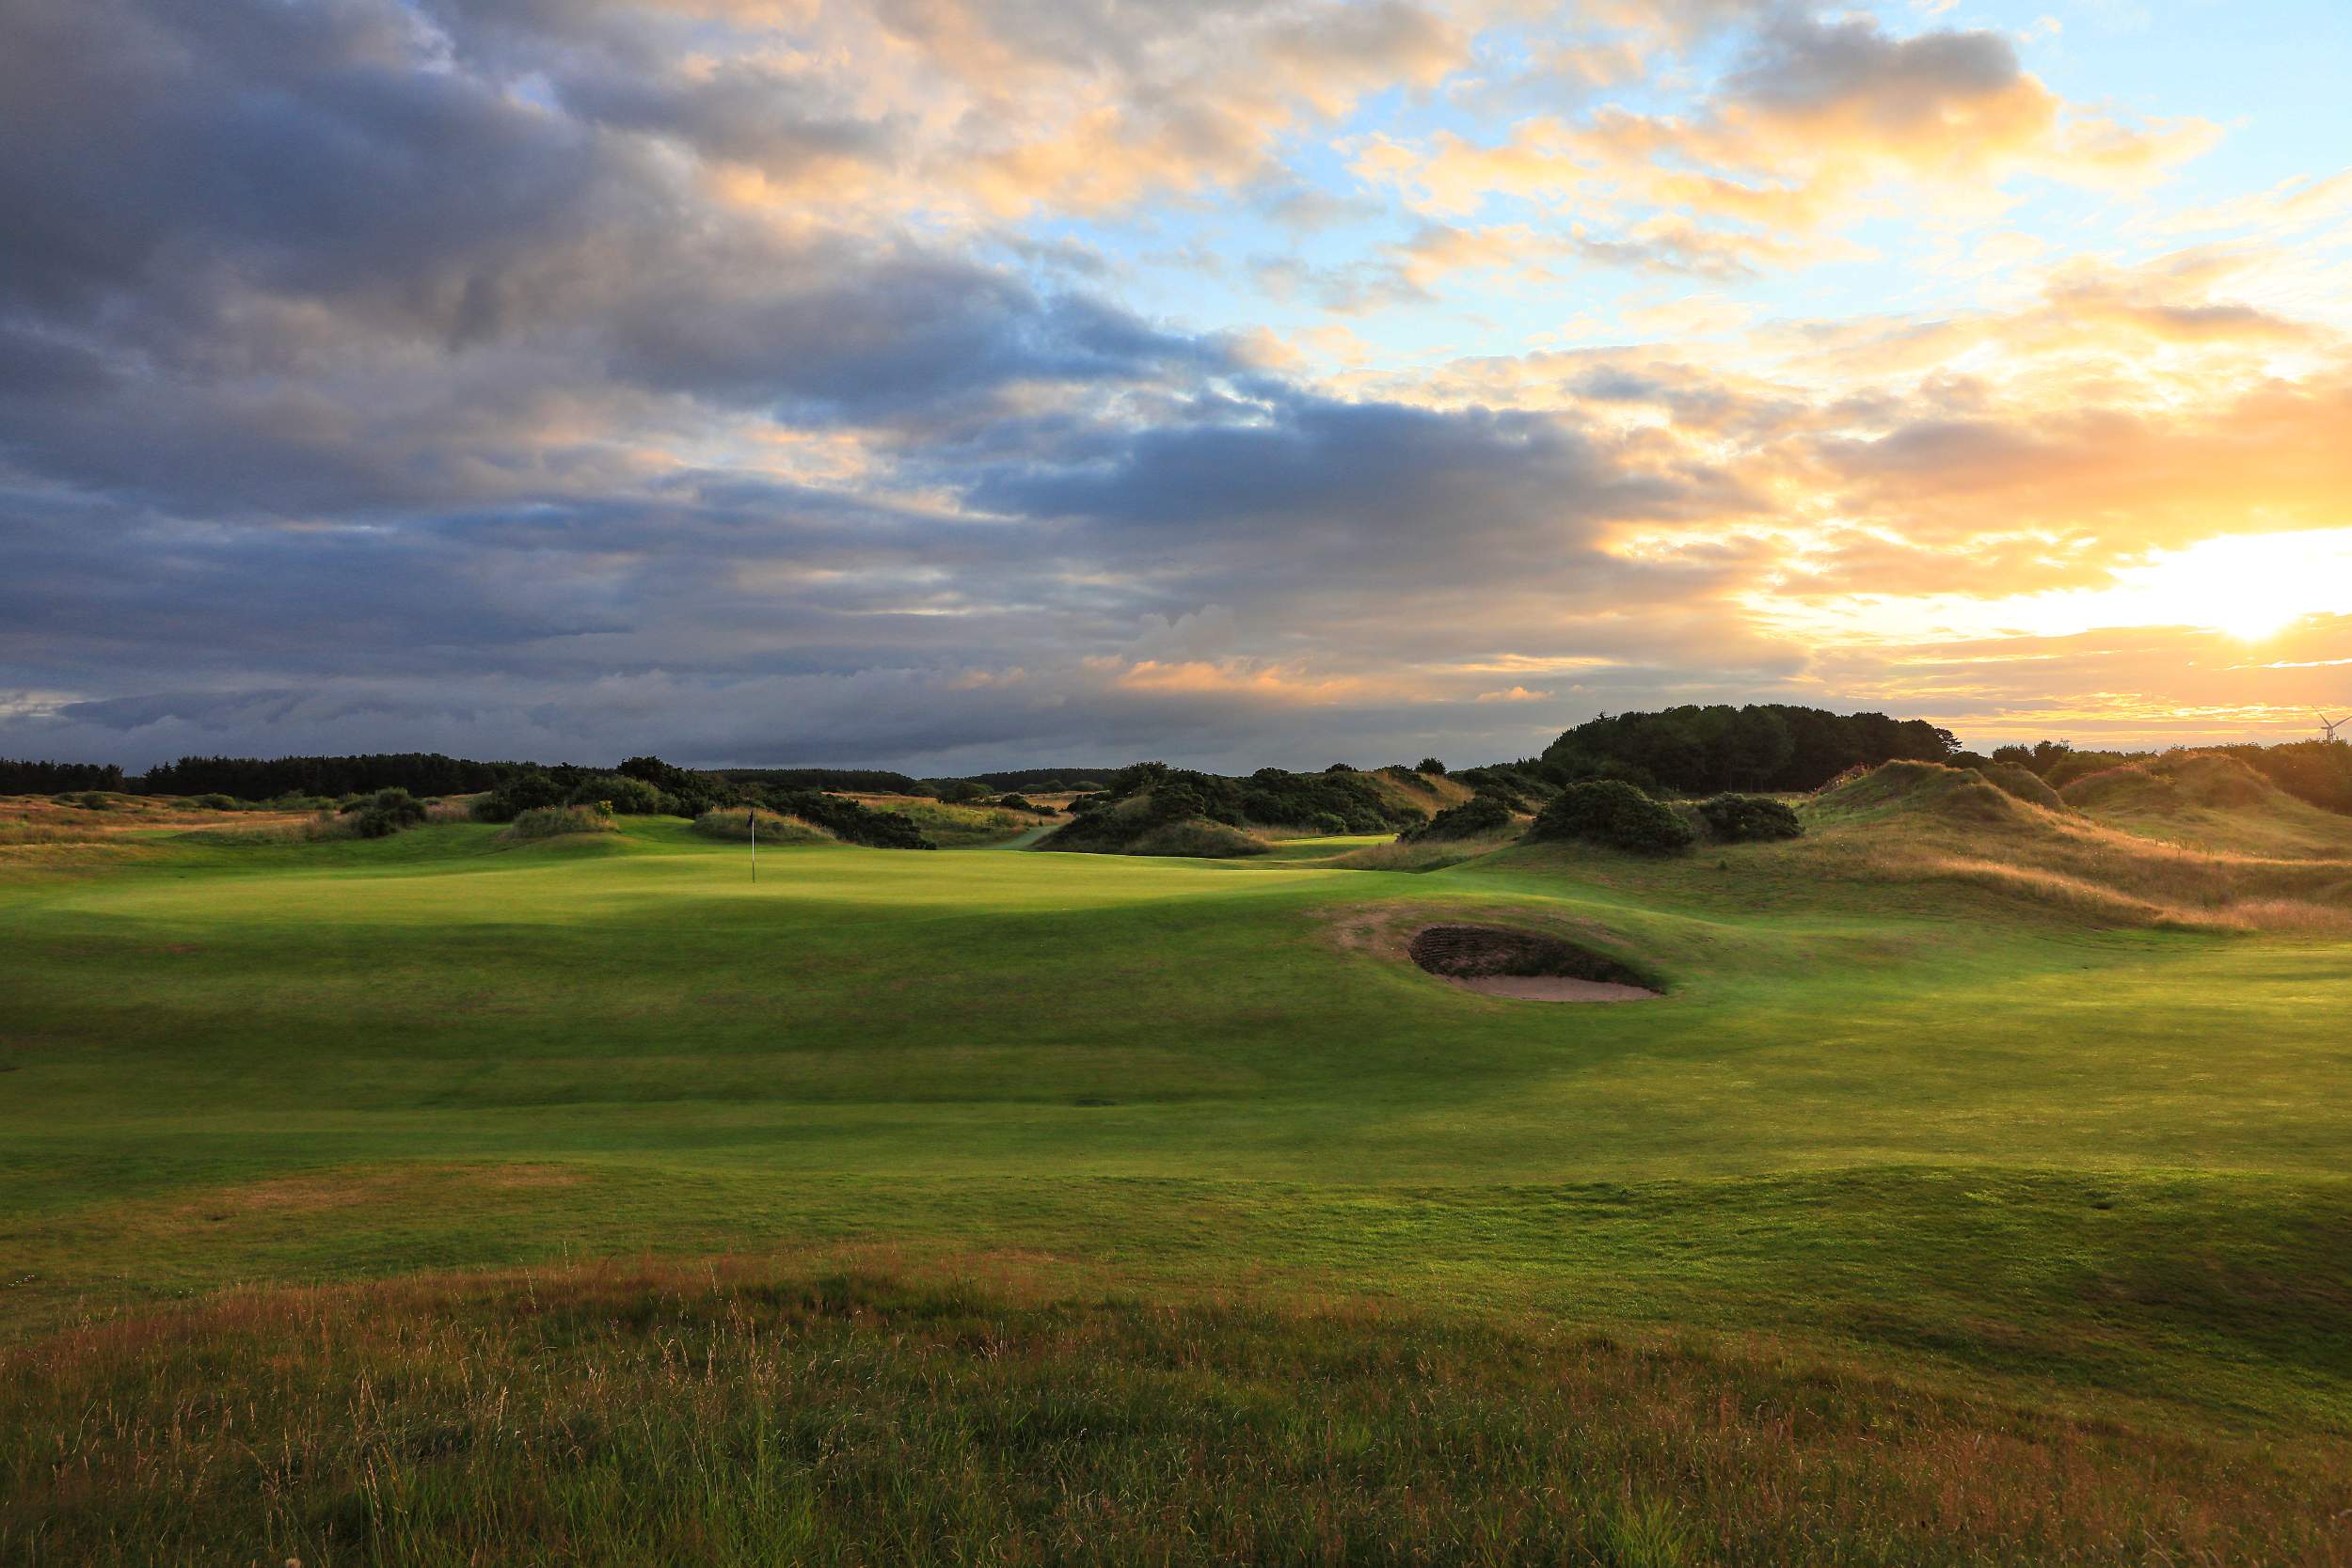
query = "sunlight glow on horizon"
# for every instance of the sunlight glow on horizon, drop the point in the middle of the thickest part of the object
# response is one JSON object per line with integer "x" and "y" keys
{"x": 2247, "y": 586}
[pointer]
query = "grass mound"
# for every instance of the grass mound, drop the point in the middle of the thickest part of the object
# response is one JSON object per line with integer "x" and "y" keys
{"x": 733, "y": 824}
{"x": 559, "y": 822}
{"x": 1198, "y": 838}
{"x": 1959, "y": 795}
{"x": 2025, "y": 784}
{"x": 2239, "y": 868}
{"x": 2171, "y": 784}
{"x": 716, "y": 1414}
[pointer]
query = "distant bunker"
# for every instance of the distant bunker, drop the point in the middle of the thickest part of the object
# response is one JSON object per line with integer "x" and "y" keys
{"x": 1495, "y": 961}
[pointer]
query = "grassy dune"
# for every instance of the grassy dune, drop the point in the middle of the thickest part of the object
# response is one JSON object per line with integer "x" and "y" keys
{"x": 1086, "y": 1206}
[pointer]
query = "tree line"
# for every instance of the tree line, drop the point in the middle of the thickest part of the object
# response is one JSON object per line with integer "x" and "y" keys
{"x": 1770, "y": 746}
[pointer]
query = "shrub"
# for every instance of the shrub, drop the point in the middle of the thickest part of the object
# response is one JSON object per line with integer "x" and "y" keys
{"x": 684, "y": 792}
{"x": 301, "y": 802}
{"x": 1613, "y": 813}
{"x": 555, "y": 821}
{"x": 627, "y": 797}
{"x": 1178, "y": 802}
{"x": 1021, "y": 802}
{"x": 218, "y": 802}
{"x": 1327, "y": 823}
{"x": 1474, "y": 818}
{"x": 528, "y": 790}
{"x": 963, "y": 792}
{"x": 1749, "y": 819}
{"x": 1431, "y": 765}
{"x": 383, "y": 813}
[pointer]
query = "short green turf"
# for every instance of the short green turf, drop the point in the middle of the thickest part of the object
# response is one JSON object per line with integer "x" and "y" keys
{"x": 2091, "y": 1170}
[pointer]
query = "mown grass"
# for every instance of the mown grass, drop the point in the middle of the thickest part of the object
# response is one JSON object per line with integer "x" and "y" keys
{"x": 2071, "y": 1183}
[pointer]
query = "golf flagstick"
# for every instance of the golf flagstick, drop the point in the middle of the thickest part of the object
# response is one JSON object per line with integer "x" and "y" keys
{"x": 751, "y": 820}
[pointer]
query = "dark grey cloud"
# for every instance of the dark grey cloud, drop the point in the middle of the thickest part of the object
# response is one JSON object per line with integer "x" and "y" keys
{"x": 1796, "y": 62}
{"x": 384, "y": 375}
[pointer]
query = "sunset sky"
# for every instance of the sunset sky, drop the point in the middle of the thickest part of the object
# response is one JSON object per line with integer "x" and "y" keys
{"x": 955, "y": 384}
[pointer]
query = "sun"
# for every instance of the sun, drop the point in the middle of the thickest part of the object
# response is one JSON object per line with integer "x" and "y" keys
{"x": 2250, "y": 586}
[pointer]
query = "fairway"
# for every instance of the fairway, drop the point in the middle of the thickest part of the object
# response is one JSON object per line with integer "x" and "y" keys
{"x": 2024, "y": 1157}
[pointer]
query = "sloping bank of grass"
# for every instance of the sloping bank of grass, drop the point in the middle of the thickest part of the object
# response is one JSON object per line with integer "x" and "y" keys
{"x": 1887, "y": 1167}
{"x": 722, "y": 1413}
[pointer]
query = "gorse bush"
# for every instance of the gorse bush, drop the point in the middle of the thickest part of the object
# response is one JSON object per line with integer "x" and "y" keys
{"x": 383, "y": 813}
{"x": 1748, "y": 819}
{"x": 1609, "y": 811}
{"x": 218, "y": 802}
{"x": 627, "y": 796}
{"x": 557, "y": 821}
{"x": 530, "y": 790}
{"x": 1475, "y": 817}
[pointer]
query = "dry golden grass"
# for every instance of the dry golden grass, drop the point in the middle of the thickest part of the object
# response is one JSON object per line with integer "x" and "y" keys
{"x": 1908, "y": 822}
{"x": 732, "y": 1412}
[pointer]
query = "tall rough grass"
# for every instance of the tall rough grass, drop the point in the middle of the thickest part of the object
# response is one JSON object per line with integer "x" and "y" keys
{"x": 718, "y": 1416}
{"x": 1917, "y": 821}
{"x": 727, "y": 822}
{"x": 559, "y": 821}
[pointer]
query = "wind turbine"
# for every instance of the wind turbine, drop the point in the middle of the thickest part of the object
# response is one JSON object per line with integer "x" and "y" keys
{"x": 2327, "y": 727}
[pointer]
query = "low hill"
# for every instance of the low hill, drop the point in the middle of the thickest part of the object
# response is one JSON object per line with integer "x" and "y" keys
{"x": 2210, "y": 800}
{"x": 2261, "y": 861}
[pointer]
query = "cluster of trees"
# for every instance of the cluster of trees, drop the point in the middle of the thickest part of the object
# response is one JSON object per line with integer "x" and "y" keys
{"x": 642, "y": 787}
{"x": 1698, "y": 750}
{"x": 267, "y": 778}
{"x": 647, "y": 787}
{"x": 1336, "y": 800}
{"x": 56, "y": 778}
{"x": 860, "y": 781}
